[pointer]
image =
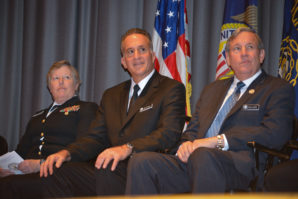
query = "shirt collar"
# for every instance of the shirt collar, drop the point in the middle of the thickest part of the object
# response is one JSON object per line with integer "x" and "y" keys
{"x": 141, "y": 84}
{"x": 248, "y": 81}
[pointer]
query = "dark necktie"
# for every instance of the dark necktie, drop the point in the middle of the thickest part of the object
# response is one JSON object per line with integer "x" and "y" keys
{"x": 52, "y": 109}
{"x": 134, "y": 96}
{"x": 230, "y": 102}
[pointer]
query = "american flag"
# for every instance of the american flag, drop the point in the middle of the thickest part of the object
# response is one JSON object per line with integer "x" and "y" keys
{"x": 171, "y": 45}
{"x": 240, "y": 13}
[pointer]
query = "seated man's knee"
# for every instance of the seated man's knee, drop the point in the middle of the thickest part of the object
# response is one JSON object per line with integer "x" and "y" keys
{"x": 142, "y": 160}
{"x": 203, "y": 155}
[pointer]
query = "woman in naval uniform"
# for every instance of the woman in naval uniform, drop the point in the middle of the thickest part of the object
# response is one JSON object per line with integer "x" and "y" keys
{"x": 49, "y": 130}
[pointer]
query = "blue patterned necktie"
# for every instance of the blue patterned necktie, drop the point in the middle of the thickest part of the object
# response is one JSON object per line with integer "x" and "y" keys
{"x": 230, "y": 102}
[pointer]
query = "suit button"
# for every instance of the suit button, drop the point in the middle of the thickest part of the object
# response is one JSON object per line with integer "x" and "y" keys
{"x": 43, "y": 121}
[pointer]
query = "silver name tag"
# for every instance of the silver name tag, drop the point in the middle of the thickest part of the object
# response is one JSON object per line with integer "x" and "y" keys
{"x": 146, "y": 108}
{"x": 251, "y": 107}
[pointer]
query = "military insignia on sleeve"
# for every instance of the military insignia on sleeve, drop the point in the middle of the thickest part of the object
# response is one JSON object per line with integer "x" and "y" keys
{"x": 73, "y": 108}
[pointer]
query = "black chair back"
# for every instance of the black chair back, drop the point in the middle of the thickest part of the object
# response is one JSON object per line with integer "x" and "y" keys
{"x": 3, "y": 146}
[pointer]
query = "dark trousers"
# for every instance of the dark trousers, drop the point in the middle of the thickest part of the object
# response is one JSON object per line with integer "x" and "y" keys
{"x": 207, "y": 171}
{"x": 111, "y": 182}
{"x": 83, "y": 179}
{"x": 21, "y": 186}
{"x": 72, "y": 179}
{"x": 283, "y": 177}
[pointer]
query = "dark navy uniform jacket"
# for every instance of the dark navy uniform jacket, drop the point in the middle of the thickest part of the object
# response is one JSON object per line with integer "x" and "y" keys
{"x": 47, "y": 135}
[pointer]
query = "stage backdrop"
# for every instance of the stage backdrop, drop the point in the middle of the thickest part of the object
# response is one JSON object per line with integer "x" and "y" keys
{"x": 36, "y": 33}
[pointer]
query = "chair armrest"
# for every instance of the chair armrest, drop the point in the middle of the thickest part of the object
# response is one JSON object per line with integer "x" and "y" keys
{"x": 258, "y": 147}
{"x": 293, "y": 144}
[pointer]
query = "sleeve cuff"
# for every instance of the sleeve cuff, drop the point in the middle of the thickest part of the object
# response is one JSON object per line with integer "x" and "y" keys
{"x": 226, "y": 144}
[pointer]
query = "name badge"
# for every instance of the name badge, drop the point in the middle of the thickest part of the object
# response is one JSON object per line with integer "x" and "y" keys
{"x": 251, "y": 107}
{"x": 146, "y": 108}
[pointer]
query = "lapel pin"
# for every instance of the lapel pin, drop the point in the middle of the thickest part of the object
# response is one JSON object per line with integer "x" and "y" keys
{"x": 251, "y": 91}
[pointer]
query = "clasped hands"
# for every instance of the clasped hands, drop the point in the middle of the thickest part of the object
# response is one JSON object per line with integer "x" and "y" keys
{"x": 186, "y": 148}
{"x": 114, "y": 154}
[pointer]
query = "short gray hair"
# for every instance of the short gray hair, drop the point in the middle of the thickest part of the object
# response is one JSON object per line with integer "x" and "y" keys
{"x": 59, "y": 64}
{"x": 240, "y": 30}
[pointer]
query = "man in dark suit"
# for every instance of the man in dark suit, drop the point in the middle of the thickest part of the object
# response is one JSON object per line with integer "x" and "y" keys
{"x": 216, "y": 158}
{"x": 153, "y": 122}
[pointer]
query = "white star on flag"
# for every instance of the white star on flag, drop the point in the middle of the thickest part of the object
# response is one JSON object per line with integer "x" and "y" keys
{"x": 171, "y": 14}
{"x": 168, "y": 29}
{"x": 171, "y": 45}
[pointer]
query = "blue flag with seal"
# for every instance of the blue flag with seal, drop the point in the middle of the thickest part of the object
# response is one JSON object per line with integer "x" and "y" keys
{"x": 288, "y": 60}
{"x": 238, "y": 13}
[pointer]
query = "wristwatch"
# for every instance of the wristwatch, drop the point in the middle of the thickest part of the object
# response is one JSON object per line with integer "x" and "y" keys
{"x": 130, "y": 146}
{"x": 220, "y": 142}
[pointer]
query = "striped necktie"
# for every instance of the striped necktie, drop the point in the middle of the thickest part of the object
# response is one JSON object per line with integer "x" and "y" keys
{"x": 230, "y": 102}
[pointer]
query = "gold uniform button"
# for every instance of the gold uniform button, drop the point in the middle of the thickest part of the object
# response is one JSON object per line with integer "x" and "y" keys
{"x": 43, "y": 121}
{"x": 42, "y": 143}
{"x": 42, "y": 134}
{"x": 66, "y": 113}
{"x": 39, "y": 153}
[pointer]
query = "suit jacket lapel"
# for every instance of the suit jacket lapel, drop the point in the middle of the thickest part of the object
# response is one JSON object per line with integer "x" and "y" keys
{"x": 124, "y": 101}
{"x": 150, "y": 88}
{"x": 221, "y": 91}
{"x": 253, "y": 88}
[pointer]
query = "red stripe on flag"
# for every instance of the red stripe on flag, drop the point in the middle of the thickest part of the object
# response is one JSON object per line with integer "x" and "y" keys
{"x": 181, "y": 41}
{"x": 223, "y": 73}
{"x": 221, "y": 64}
{"x": 188, "y": 48}
{"x": 170, "y": 61}
{"x": 185, "y": 13}
{"x": 156, "y": 64}
{"x": 184, "y": 44}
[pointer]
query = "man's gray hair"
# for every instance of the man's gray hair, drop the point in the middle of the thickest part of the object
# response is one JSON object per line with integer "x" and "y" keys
{"x": 240, "y": 30}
